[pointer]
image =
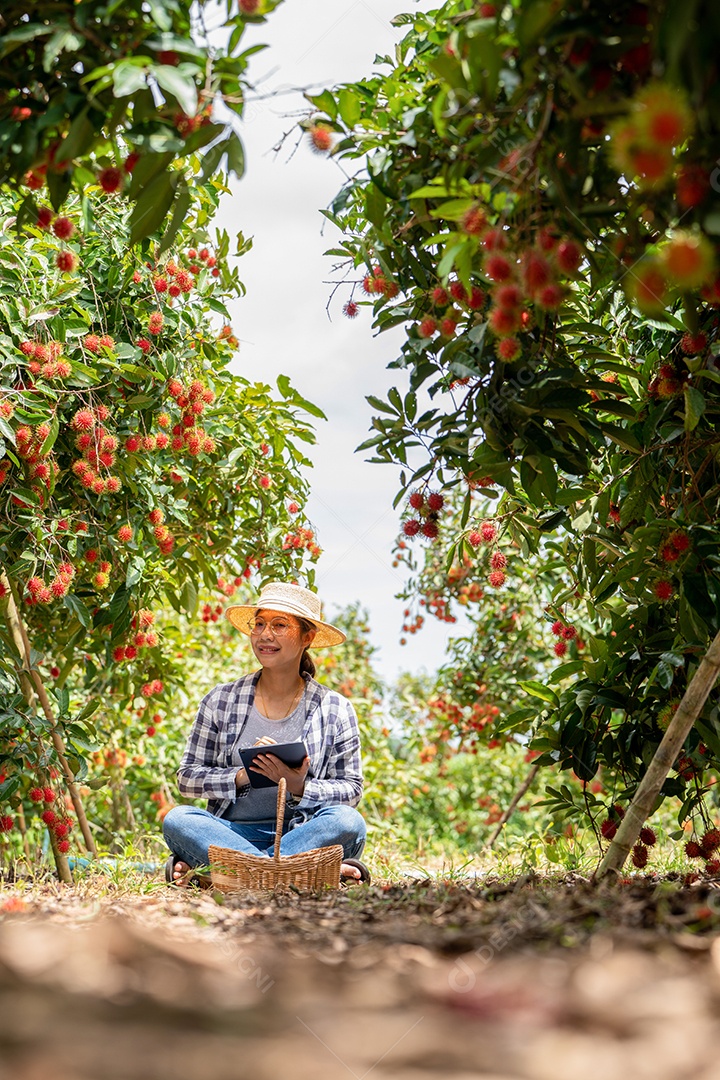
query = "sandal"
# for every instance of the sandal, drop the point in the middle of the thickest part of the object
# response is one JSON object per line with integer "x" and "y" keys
{"x": 190, "y": 878}
{"x": 364, "y": 878}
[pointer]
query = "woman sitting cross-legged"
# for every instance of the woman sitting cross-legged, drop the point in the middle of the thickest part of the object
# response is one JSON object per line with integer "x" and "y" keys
{"x": 280, "y": 703}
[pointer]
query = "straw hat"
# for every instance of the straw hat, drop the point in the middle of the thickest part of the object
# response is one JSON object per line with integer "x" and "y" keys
{"x": 294, "y": 600}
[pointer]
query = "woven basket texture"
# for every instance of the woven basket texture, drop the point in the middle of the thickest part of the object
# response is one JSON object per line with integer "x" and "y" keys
{"x": 233, "y": 871}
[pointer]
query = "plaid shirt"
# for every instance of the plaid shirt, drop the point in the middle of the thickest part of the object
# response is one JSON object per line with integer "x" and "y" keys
{"x": 330, "y": 734}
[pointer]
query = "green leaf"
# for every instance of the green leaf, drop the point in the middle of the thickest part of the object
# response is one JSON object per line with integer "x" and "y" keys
{"x": 80, "y": 137}
{"x": 125, "y": 351}
{"x": 189, "y": 597}
{"x": 381, "y": 406}
{"x": 62, "y": 696}
{"x": 236, "y": 156}
{"x": 78, "y": 609}
{"x": 92, "y": 706}
{"x": 63, "y": 40}
{"x": 375, "y": 205}
{"x": 539, "y": 690}
{"x": 325, "y": 103}
{"x": 151, "y": 208}
{"x": 128, "y": 77}
{"x": 350, "y": 107}
{"x": 52, "y": 436}
{"x": 134, "y": 572}
{"x": 180, "y": 209}
{"x": 181, "y": 86}
{"x": 694, "y": 407}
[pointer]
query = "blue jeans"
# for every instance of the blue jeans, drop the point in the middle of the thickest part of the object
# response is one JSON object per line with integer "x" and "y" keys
{"x": 189, "y": 832}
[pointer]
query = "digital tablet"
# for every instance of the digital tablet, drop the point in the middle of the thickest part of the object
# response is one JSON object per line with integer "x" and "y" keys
{"x": 292, "y": 753}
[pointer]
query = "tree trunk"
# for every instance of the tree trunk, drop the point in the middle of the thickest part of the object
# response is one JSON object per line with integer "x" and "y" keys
{"x": 515, "y": 800}
{"x": 641, "y": 807}
{"x": 35, "y": 687}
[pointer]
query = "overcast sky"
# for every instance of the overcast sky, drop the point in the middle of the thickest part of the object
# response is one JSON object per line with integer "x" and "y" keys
{"x": 282, "y": 323}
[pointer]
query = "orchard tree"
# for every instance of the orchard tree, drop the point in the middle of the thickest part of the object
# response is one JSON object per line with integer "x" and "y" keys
{"x": 538, "y": 203}
{"x": 118, "y": 94}
{"x": 136, "y": 471}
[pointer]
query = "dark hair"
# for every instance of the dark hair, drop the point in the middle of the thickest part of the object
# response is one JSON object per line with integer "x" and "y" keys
{"x": 307, "y": 664}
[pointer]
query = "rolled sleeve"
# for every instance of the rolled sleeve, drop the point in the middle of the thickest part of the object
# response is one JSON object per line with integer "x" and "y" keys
{"x": 199, "y": 776}
{"x": 342, "y": 780}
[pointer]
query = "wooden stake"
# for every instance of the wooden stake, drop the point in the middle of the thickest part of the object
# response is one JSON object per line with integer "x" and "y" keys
{"x": 36, "y": 687}
{"x": 515, "y": 800}
{"x": 679, "y": 727}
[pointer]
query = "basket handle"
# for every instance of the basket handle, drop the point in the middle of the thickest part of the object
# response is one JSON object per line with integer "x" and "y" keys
{"x": 280, "y": 817}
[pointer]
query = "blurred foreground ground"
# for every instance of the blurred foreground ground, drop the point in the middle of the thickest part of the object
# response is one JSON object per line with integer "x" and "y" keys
{"x": 534, "y": 979}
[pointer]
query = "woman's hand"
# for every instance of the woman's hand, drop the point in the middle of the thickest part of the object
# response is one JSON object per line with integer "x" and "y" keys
{"x": 241, "y": 776}
{"x": 275, "y": 770}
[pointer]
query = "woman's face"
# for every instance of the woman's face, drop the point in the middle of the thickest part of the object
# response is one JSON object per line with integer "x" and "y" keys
{"x": 280, "y": 642}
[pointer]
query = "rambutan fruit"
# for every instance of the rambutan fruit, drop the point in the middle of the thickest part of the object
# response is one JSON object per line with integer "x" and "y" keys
{"x": 44, "y": 217}
{"x": 693, "y": 344}
{"x": 477, "y": 298}
{"x": 609, "y": 828}
{"x": 688, "y": 259}
{"x": 568, "y": 257}
{"x": 508, "y": 296}
{"x": 321, "y": 138}
{"x": 646, "y": 286}
{"x": 63, "y": 228}
{"x": 488, "y": 531}
{"x": 550, "y": 297}
{"x": 66, "y": 261}
{"x": 497, "y": 267}
{"x": 473, "y": 221}
{"x": 639, "y": 855}
{"x": 508, "y": 349}
{"x": 535, "y": 272}
{"x": 110, "y": 179}
{"x": 458, "y": 291}
{"x": 692, "y": 186}
{"x": 503, "y": 321}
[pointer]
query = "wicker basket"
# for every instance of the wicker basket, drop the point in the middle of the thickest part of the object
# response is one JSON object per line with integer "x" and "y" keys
{"x": 231, "y": 871}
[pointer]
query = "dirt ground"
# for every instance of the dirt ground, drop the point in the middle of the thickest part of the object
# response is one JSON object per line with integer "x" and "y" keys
{"x": 531, "y": 979}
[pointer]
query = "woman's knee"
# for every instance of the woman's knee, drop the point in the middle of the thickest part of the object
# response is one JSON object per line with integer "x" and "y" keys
{"x": 177, "y": 819}
{"x": 349, "y": 821}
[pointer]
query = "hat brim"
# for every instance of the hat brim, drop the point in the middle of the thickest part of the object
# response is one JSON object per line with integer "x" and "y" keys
{"x": 327, "y": 634}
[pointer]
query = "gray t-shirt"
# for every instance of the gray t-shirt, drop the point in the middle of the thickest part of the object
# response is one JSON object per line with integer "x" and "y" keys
{"x": 260, "y": 804}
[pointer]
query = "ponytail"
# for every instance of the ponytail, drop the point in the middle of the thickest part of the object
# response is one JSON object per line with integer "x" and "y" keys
{"x": 307, "y": 664}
